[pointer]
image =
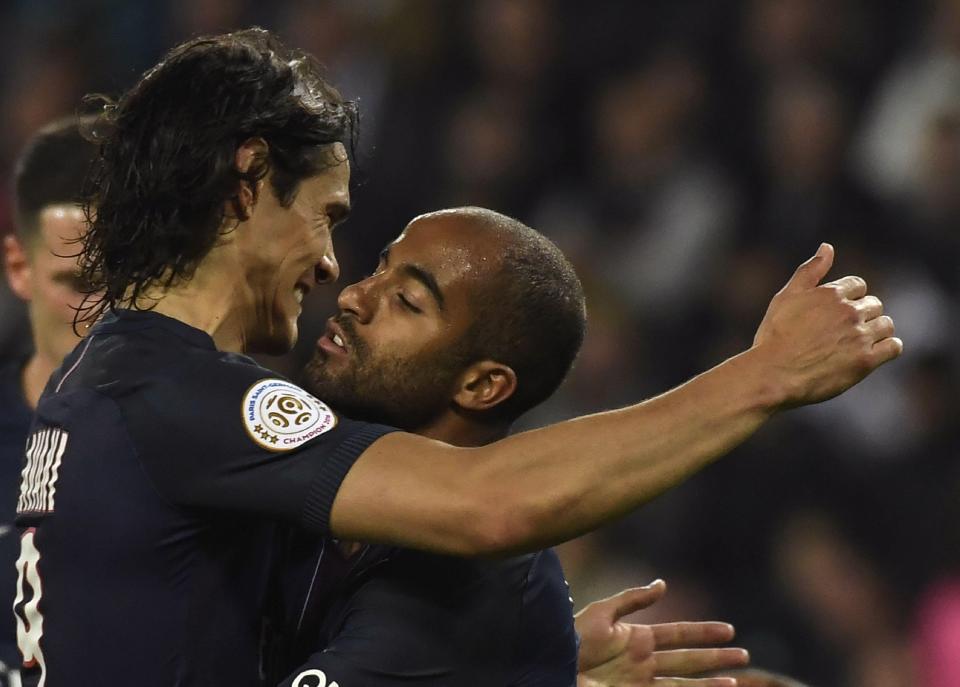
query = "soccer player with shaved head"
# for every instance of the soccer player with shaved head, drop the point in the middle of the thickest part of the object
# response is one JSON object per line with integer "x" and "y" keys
{"x": 470, "y": 319}
{"x": 40, "y": 261}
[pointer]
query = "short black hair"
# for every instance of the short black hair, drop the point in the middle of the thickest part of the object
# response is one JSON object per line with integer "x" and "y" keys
{"x": 530, "y": 315}
{"x": 51, "y": 170}
{"x": 156, "y": 202}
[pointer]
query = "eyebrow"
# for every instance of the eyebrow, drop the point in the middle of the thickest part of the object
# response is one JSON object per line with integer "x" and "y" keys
{"x": 422, "y": 275}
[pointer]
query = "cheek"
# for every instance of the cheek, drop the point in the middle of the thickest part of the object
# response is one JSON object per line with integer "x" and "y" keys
{"x": 301, "y": 252}
{"x": 407, "y": 337}
{"x": 57, "y": 300}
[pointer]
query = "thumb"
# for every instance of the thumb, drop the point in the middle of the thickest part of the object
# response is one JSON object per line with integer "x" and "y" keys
{"x": 812, "y": 272}
{"x": 637, "y": 598}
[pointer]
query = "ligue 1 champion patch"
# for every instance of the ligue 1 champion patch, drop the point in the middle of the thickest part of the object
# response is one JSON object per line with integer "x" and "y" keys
{"x": 280, "y": 416}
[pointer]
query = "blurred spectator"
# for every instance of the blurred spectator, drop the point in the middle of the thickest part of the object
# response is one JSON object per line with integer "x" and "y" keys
{"x": 919, "y": 87}
{"x": 807, "y": 195}
{"x": 846, "y": 602}
{"x": 786, "y": 37}
{"x": 513, "y": 41}
{"x": 41, "y": 268}
{"x": 654, "y": 215}
{"x": 934, "y": 215}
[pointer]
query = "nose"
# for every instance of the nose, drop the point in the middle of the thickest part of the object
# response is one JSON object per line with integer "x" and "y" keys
{"x": 327, "y": 270}
{"x": 356, "y": 300}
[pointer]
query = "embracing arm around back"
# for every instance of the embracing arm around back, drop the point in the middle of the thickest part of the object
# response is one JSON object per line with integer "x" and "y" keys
{"x": 535, "y": 489}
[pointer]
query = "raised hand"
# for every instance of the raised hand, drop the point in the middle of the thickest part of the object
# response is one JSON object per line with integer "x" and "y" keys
{"x": 615, "y": 653}
{"x": 820, "y": 339}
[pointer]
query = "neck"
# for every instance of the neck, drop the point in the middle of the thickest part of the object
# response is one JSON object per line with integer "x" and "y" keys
{"x": 456, "y": 429}
{"x": 34, "y": 378}
{"x": 215, "y": 300}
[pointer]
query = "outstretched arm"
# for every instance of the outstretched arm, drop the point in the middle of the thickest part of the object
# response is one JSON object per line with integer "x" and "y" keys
{"x": 613, "y": 652}
{"x": 541, "y": 487}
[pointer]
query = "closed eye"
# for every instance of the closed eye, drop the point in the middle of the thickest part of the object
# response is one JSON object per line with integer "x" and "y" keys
{"x": 407, "y": 304}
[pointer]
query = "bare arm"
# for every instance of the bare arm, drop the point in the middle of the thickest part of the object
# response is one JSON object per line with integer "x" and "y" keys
{"x": 541, "y": 487}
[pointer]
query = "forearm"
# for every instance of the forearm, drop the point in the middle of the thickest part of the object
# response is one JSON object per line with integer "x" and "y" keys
{"x": 577, "y": 475}
{"x": 544, "y": 486}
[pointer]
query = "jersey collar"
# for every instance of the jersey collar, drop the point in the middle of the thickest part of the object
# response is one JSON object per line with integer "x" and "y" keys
{"x": 127, "y": 320}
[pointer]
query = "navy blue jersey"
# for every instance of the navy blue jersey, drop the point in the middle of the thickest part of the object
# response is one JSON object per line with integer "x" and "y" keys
{"x": 157, "y": 470}
{"x": 424, "y": 619}
{"x": 312, "y": 580}
{"x": 14, "y": 427}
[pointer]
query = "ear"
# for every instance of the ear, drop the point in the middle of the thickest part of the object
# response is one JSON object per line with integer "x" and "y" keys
{"x": 485, "y": 385}
{"x": 250, "y": 155}
{"x": 17, "y": 266}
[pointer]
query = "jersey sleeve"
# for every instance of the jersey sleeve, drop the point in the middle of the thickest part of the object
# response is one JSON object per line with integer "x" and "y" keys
{"x": 225, "y": 435}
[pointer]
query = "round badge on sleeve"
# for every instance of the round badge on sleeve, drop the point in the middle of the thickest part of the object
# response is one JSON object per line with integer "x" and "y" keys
{"x": 280, "y": 416}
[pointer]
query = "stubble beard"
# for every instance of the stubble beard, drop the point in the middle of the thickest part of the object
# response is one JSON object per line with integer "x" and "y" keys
{"x": 407, "y": 393}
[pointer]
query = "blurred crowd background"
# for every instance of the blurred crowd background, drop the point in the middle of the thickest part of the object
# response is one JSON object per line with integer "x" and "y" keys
{"x": 686, "y": 154}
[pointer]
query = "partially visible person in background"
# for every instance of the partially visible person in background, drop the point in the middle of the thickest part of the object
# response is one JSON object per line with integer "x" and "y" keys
{"x": 41, "y": 267}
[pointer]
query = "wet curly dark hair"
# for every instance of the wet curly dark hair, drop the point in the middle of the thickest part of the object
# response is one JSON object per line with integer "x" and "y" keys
{"x": 166, "y": 171}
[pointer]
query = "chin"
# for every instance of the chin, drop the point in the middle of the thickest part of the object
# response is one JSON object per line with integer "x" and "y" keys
{"x": 280, "y": 341}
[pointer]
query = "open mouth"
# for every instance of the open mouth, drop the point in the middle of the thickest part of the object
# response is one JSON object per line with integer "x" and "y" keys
{"x": 333, "y": 339}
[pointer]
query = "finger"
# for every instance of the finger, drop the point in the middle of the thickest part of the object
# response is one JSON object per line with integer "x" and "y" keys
{"x": 694, "y": 682}
{"x": 870, "y": 308}
{"x": 851, "y": 287}
{"x": 693, "y": 661}
{"x": 886, "y": 350}
{"x": 881, "y": 328}
{"x": 637, "y": 598}
{"x": 812, "y": 272}
{"x": 681, "y": 635}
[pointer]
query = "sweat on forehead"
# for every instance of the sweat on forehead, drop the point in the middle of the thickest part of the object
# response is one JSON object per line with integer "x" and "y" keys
{"x": 446, "y": 243}
{"x": 475, "y": 234}
{"x": 477, "y": 218}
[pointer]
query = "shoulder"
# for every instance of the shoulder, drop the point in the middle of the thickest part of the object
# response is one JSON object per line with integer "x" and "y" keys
{"x": 176, "y": 391}
{"x": 218, "y": 396}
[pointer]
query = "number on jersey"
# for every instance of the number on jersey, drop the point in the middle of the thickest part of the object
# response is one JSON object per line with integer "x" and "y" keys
{"x": 26, "y": 607}
{"x": 38, "y": 481}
